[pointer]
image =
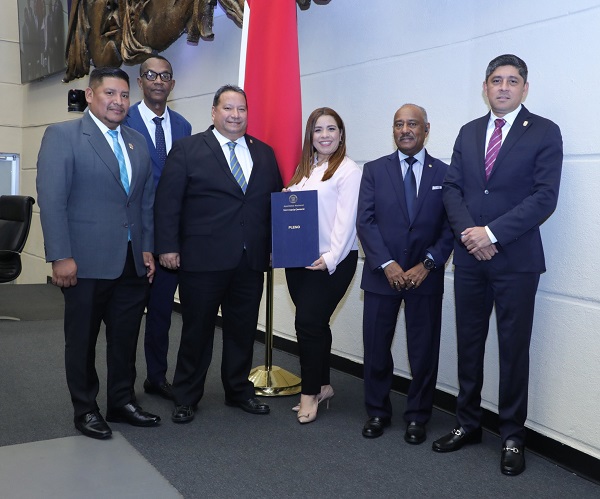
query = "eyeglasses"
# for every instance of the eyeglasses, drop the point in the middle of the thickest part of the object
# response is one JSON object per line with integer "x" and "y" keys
{"x": 152, "y": 75}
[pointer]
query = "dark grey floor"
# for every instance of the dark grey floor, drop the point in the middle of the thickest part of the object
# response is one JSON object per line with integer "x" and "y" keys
{"x": 225, "y": 452}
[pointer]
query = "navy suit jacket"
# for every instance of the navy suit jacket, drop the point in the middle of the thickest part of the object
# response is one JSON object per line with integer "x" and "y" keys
{"x": 386, "y": 232}
{"x": 202, "y": 213}
{"x": 180, "y": 127}
{"x": 521, "y": 193}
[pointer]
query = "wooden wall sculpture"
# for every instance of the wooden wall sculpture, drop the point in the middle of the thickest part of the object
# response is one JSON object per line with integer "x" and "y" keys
{"x": 113, "y": 32}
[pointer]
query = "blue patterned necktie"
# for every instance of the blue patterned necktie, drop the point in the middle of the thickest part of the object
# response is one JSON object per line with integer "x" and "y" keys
{"x": 159, "y": 141}
{"x": 121, "y": 159}
{"x": 236, "y": 169}
{"x": 410, "y": 187}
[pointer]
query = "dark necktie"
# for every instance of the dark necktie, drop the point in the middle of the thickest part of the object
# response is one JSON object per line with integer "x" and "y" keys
{"x": 236, "y": 169}
{"x": 493, "y": 147}
{"x": 121, "y": 159}
{"x": 159, "y": 141}
{"x": 410, "y": 187}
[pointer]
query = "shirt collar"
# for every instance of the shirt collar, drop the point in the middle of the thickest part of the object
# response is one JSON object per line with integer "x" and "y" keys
{"x": 420, "y": 156}
{"x": 103, "y": 128}
{"x": 509, "y": 118}
{"x": 148, "y": 115}
{"x": 224, "y": 140}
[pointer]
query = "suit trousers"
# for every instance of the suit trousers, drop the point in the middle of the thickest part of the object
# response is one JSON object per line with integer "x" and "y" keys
{"x": 119, "y": 303}
{"x": 238, "y": 292}
{"x": 423, "y": 317}
{"x": 316, "y": 295}
{"x": 158, "y": 323}
{"x": 477, "y": 289}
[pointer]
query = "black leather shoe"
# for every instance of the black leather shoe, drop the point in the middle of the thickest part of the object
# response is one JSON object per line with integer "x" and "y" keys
{"x": 92, "y": 424}
{"x": 183, "y": 413}
{"x": 415, "y": 433}
{"x": 164, "y": 389}
{"x": 374, "y": 426}
{"x": 512, "y": 461}
{"x": 456, "y": 439}
{"x": 252, "y": 405}
{"x": 133, "y": 414}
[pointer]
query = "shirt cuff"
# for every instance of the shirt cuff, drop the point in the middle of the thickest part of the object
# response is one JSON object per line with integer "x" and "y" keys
{"x": 491, "y": 235}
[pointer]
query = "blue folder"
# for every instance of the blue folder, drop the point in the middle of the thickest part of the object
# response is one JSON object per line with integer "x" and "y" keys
{"x": 295, "y": 228}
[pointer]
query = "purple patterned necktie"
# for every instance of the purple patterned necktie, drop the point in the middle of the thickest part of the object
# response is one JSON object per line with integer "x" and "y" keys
{"x": 493, "y": 147}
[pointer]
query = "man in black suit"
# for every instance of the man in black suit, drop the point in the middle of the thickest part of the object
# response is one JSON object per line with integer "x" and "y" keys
{"x": 502, "y": 184}
{"x": 212, "y": 222}
{"x": 406, "y": 238}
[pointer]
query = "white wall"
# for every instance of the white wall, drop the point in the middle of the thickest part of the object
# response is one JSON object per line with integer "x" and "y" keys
{"x": 367, "y": 61}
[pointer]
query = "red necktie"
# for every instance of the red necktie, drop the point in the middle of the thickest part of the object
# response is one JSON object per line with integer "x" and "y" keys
{"x": 493, "y": 147}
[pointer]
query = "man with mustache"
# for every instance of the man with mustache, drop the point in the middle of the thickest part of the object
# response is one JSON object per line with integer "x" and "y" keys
{"x": 95, "y": 192}
{"x": 160, "y": 126}
{"x": 405, "y": 235}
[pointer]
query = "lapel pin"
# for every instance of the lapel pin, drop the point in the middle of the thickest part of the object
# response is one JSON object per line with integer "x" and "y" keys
{"x": 430, "y": 165}
{"x": 131, "y": 146}
{"x": 525, "y": 123}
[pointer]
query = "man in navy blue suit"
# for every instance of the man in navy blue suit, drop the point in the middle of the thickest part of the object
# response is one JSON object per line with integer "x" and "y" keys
{"x": 160, "y": 126}
{"x": 407, "y": 239}
{"x": 502, "y": 184}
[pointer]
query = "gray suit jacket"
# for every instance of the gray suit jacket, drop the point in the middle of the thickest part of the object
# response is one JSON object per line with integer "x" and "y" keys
{"x": 85, "y": 212}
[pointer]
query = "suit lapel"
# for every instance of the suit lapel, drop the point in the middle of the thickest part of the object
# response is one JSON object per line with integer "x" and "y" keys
{"x": 255, "y": 161}
{"x": 426, "y": 183}
{"x": 136, "y": 121}
{"x": 134, "y": 159}
{"x": 480, "y": 133}
{"x": 215, "y": 147}
{"x": 177, "y": 127}
{"x": 518, "y": 128}
{"x": 394, "y": 171}
{"x": 101, "y": 147}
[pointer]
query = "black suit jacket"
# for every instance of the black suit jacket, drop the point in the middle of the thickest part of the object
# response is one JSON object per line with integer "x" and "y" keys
{"x": 521, "y": 193}
{"x": 202, "y": 213}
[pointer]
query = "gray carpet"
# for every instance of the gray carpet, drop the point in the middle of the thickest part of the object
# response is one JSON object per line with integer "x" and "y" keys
{"x": 31, "y": 302}
{"x": 225, "y": 452}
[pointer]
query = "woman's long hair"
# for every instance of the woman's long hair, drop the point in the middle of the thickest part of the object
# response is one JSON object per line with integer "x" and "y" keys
{"x": 308, "y": 149}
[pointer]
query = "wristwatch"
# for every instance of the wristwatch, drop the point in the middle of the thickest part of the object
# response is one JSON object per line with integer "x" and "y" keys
{"x": 429, "y": 263}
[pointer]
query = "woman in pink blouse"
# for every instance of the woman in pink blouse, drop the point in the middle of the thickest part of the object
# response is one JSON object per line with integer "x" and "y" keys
{"x": 316, "y": 290}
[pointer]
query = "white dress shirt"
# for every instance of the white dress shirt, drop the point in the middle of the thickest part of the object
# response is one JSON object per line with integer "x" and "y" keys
{"x": 148, "y": 115}
{"x": 338, "y": 201}
{"x": 510, "y": 119}
{"x": 417, "y": 167}
{"x": 241, "y": 152}
{"x": 104, "y": 129}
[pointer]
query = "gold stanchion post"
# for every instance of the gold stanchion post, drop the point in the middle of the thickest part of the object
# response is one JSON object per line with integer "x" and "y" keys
{"x": 270, "y": 380}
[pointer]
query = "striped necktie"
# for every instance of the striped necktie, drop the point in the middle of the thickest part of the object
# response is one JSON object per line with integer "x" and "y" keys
{"x": 493, "y": 147}
{"x": 121, "y": 159}
{"x": 236, "y": 169}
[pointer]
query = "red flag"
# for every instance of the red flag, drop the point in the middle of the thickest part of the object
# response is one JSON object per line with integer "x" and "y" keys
{"x": 270, "y": 76}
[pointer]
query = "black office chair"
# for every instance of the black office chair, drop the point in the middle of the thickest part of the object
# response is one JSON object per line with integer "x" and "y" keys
{"x": 15, "y": 220}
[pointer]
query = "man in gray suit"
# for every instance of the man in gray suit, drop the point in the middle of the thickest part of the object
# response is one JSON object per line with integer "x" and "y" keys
{"x": 96, "y": 193}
